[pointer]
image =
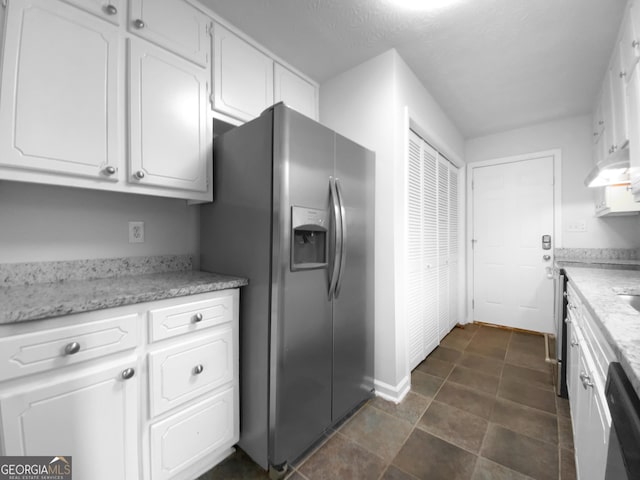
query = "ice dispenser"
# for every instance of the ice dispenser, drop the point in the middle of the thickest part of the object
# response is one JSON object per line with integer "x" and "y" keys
{"x": 308, "y": 238}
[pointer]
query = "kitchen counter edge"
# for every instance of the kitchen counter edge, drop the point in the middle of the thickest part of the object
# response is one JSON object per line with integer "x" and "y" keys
{"x": 46, "y": 300}
{"x": 599, "y": 290}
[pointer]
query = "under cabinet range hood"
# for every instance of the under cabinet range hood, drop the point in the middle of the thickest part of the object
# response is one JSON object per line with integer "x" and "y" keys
{"x": 613, "y": 170}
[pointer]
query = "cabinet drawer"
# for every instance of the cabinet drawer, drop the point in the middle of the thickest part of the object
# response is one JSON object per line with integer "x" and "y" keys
{"x": 190, "y": 317}
{"x": 185, "y": 371}
{"x": 599, "y": 348}
{"x": 45, "y": 349}
{"x": 188, "y": 436}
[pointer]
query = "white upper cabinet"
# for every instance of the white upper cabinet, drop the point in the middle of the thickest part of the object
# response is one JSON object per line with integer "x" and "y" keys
{"x": 630, "y": 39}
{"x": 617, "y": 75}
{"x": 242, "y": 76}
{"x": 295, "y": 91}
{"x": 168, "y": 120}
{"x": 606, "y": 102}
{"x": 172, "y": 24}
{"x": 59, "y": 99}
{"x": 633, "y": 103}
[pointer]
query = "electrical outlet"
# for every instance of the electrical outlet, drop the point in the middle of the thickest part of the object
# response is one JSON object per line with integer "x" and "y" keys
{"x": 577, "y": 226}
{"x": 136, "y": 232}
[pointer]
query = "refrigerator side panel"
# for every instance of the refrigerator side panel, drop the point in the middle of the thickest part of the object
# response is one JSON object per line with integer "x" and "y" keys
{"x": 301, "y": 311}
{"x": 353, "y": 309}
{"x": 236, "y": 239}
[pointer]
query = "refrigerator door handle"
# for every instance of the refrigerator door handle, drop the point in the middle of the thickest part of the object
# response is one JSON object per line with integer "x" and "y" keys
{"x": 343, "y": 238}
{"x": 335, "y": 207}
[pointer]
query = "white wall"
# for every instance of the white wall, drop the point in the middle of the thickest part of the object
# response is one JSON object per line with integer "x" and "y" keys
{"x": 368, "y": 105}
{"x": 573, "y": 137}
{"x": 47, "y": 223}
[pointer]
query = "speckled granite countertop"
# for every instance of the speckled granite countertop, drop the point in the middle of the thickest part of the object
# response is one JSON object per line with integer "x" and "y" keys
{"x": 33, "y": 291}
{"x": 619, "y": 322}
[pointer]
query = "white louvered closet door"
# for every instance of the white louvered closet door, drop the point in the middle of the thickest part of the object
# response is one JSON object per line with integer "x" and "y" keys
{"x": 422, "y": 252}
{"x": 432, "y": 248}
{"x": 414, "y": 252}
{"x": 443, "y": 247}
{"x": 454, "y": 247}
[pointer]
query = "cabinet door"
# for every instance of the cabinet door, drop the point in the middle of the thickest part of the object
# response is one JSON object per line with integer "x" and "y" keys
{"x": 618, "y": 104}
{"x": 295, "y": 91}
{"x": 629, "y": 51}
{"x": 607, "y": 114}
{"x": 593, "y": 425}
{"x": 243, "y": 76}
{"x": 573, "y": 347}
{"x": 633, "y": 105}
{"x": 58, "y": 104}
{"x": 168, "y": 120}
{"x": 597, "y": 122}
{"x": 91, "y": 416}
{"x": 193, "y": 433}
{"x": 172, "y": 24}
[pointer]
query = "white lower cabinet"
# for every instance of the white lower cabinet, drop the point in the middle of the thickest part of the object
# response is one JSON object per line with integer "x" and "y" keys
{"x": 588, "y": 356}
{"x": 190, "y": 435}
{"x": 91, "y": 415}
{"x": 123, "y": 402}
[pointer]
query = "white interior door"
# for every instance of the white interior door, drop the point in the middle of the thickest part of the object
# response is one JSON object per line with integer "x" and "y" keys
{"x": 512, "y": 210}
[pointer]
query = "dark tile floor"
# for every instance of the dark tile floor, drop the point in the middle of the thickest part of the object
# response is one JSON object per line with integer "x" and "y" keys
{"x": 481, "y": 407}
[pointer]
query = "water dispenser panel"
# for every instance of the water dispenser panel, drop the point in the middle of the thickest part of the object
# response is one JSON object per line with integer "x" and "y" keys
{"x": 308, "y": 238}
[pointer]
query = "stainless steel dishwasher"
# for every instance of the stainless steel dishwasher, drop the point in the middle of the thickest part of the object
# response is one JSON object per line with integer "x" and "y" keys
{"x": 623, "y": 460}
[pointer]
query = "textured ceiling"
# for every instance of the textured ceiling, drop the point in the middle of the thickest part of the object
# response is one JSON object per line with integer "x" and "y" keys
{"x": 492, "y": 65}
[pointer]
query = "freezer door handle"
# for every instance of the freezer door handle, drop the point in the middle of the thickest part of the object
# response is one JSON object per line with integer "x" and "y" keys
{"x": 335, "y": 208}
{"x": 343, "y": 237}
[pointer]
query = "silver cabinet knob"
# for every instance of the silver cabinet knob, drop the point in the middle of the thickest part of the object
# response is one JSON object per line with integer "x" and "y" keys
{"x": 111, "y": 10}
{"x": 600, "y": 122}
{"x": 197, "y": 317}
{"x": 138, "y": 23}
{"x": 72, "y": 348}
{"x": 595, "y": 134}
{"x": 567, "y": 321}
{"x": 197, "y": 370}
{"x": 635, "y": 43}
{"x": 546, "y": 258}
{"x": 109, "y": 170}
{"x": 128, "y": 373}
{"x": 586, "y": 380}
{"x": 574, "y": 343}
{"x": 622, "y": 74}
{"x": 139, "y": 174}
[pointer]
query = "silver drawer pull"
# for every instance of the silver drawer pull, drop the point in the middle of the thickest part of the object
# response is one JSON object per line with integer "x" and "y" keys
{"x": 128, "y": 373}
{"x": 574, "y": 343}
{"x": 197, "y": 370}
{"x": 111, "y": 9}
{"x": 72, "y": 348}
{"x": 138, "y": 23}
{"x": 197, "y": 317}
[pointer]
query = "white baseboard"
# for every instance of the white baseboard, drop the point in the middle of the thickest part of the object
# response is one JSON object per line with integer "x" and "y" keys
{"x": 393, "y": 393}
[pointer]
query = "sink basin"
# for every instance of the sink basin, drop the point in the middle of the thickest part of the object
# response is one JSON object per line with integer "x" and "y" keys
{"x": 633, "y": 300}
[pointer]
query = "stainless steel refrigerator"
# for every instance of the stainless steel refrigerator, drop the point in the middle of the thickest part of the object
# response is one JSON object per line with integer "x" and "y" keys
{"x": 293, "y": 211}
